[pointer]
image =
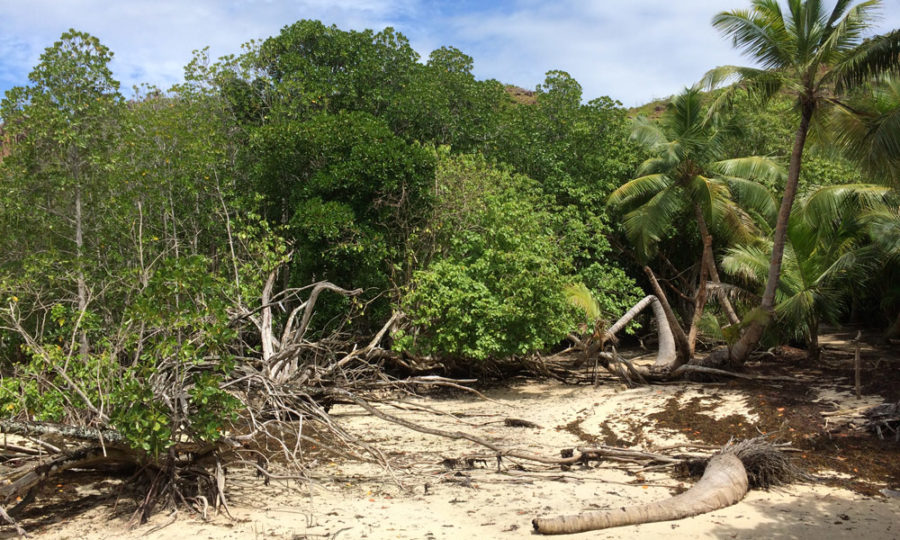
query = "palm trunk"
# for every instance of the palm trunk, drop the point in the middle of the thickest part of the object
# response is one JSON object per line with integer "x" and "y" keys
{"x": 681, "y": 340}
{"x": 812, "y": 351}
{"x": 893, "y": 330}
{"x": 730, "y": 313}
{"x": 724, "y": 483}
{"x": 665, "y": 355}
{"x": 741, "y": 350}
{"x": 700, "y": 296}
{"x": 699, "y": 304}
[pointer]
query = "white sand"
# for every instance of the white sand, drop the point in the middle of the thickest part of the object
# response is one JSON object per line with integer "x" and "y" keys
{"x": 354, "y": 500}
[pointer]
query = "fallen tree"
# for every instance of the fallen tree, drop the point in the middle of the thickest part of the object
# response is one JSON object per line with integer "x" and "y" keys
{"x": 231, "y": 384}
{"x": 674, "y": 358}
{"x": 725, "y": 481}
{"x": 176, "y": 402}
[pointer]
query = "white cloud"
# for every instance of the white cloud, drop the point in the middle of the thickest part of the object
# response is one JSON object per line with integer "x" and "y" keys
{"x": 632, "y": 50}
{"x": 153, "y": 39}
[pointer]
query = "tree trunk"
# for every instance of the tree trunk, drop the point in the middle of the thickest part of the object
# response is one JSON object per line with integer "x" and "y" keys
{"x": 724, "y": 483}
{"x": 681, "y": 340}
{"x": 665, "y": 355}
{"x": 749, "y": 340}
{"x": 723, "y": 296}
{"x": 82, "y": 285}
{"x": 699, "y": 304}
{"x": 724, "y": 301}
{"x": 893, "y": 330}
{"x": 813, "y": 347}
{"x": 265, "y": 327}
{"x": 700, "y": 296}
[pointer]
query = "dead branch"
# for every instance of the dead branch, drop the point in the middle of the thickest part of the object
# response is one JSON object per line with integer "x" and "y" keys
{"x": 6, "y": 517}
{"x": 571, "y": 456}
{"x": 63, "y": 431}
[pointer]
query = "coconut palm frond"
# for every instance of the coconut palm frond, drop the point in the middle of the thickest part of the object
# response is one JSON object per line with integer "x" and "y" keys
{"x": 852, "y": 265}
{"x": 867, "y": 130}
{"x": 795, "y": 272}
{"x": 735, "y": 224}
{"x": 758, "y": 32}
{"x": 844, "y": 31}
{"x": 883, "y": 227}
{"x": 581, "y": 297}
{"x": 750, "y": 263}
{"x": 832, "y": 203}
{"x": 647, "y": 133}
{"x": 685, "y": 114}
{"x": 639, "y": 189}
{"x": 796, "y": 310}
{"x": 722, "y": 76}
{"x": 751, "y": 167}
{"x": 703, "y": 192}
{"x": 753, "y": 197}
{"x": 648, "y": 223}
{"x": 876, "y": 56}
{"x": 733, "y": 292}
{"x": 661, "y": 163}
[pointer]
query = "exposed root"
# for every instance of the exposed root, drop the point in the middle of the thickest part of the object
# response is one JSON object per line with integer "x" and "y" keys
{"x": 765, "y": 463}
{"x": 884, "y": 420}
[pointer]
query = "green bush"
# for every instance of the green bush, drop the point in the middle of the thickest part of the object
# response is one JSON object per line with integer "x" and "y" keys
{"x": 494, "y": 284}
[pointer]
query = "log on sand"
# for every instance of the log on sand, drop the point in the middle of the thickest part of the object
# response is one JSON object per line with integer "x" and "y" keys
{"x": 726, "y": 480}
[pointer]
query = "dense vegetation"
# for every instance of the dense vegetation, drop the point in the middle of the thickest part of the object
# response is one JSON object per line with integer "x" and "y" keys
{"x": 154, "y": 241}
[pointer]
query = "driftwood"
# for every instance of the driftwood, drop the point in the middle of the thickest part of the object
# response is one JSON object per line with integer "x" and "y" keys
{"x": 285, "y": 391}
{"x": 884, "y": 420}
{"x": 725, "y": 481}
{"x": 23, "y": 479}
{"x": 8, "y": 519}
{"x": 723, "y": 484}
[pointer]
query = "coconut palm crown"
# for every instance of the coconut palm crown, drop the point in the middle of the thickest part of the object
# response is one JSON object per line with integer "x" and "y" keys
{"x": 686, "y": 175}
{"x": 685, "y": 172}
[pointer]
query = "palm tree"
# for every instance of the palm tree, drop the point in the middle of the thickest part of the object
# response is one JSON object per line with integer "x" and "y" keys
{"x": 825, "y": 254}
{"x": 867, "y": 130}
{"x": 811, "y": 53}
{"x": 883, "y": 227}
{"x": 685, "y": 173}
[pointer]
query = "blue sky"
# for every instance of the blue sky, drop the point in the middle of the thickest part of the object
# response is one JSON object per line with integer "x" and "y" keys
{"x": 631, "y": 50}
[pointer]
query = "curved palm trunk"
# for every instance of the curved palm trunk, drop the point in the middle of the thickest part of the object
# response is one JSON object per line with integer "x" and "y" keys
{"x": 724, "y": 483}
{"x": 750, "y": 339}
{"x": 682, "y": 346}
{"x": 665, "y": 355}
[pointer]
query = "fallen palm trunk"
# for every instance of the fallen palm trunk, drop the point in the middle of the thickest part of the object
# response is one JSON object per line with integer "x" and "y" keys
{"x": 725, "y": 482}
